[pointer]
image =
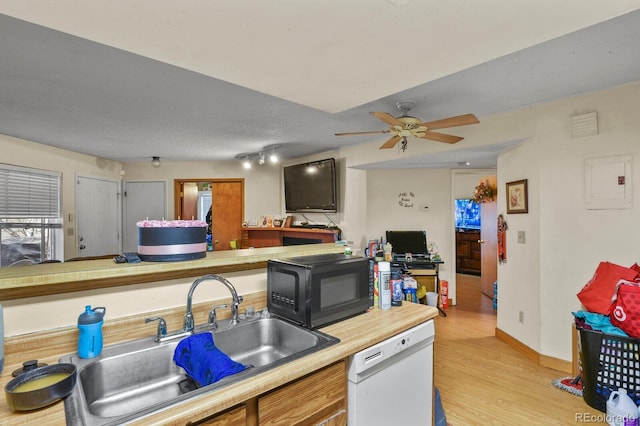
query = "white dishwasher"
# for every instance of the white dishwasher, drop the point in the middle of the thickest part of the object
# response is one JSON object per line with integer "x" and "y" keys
{"x": 391, "y": 383}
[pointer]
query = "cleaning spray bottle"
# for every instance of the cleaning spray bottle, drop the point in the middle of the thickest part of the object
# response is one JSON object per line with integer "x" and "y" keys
{"x": 90, "y": 326}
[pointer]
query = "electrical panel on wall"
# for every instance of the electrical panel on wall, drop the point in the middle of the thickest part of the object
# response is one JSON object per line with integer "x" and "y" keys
{"x": 608, "y": 182}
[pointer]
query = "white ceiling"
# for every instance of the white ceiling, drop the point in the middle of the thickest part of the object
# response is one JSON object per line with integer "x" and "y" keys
{"x": 198, "y": 80}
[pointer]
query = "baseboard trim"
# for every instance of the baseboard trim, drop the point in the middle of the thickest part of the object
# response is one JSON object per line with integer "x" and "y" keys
{"x": 542, "y": 360}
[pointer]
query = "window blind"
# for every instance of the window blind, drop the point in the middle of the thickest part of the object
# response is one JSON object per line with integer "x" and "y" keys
{"x": 26, "y": 192}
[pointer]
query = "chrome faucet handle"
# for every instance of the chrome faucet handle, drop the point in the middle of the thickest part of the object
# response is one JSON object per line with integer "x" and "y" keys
{"x": 213, "y": 321}
{"x": 162, "y": 327}
{"x": 235, "y": 315}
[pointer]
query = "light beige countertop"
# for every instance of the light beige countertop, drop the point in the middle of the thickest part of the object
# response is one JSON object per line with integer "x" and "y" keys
{"x": 355, "y": 334}
{"x": 54, "y": 278}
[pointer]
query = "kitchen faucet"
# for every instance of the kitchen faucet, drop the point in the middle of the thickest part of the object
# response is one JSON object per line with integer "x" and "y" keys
{"x": 236, "y": 300}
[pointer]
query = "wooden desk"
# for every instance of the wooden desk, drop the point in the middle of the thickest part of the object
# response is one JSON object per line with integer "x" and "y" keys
{"x": 429, "y": 269}
{"x": 273, "y": 237}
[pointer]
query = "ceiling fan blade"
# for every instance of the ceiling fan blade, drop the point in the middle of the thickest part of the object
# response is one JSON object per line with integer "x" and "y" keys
{"x": 362, "y": 133}
{"x": 460, "y": 120}
{"x": 441, "y": 137}
{"x": 387, "y": 118}
{"x": 391, "y": 142}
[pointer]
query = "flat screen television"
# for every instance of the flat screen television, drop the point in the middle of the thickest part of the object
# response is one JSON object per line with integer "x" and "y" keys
{"x": 311, "y": 187}
{"x": 414, "y": 242}
{"x": 467, "y": 214}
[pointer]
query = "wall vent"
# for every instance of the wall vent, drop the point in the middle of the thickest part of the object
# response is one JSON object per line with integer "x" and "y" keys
{"x": 584, "y": 125}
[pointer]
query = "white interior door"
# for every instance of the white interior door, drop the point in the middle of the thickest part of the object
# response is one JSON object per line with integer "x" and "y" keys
{"x": 98, "y": 212}
{"x": 142, "y": 200}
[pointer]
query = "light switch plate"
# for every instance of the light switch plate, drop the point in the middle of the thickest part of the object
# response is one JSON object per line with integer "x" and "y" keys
{"x": 521, "y": 237}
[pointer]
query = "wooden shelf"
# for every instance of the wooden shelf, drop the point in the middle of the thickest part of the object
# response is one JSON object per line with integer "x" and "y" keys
{"x": 274, "y": 237}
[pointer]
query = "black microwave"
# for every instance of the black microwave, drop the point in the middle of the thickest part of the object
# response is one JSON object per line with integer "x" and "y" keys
{"x": 317, "y": 290}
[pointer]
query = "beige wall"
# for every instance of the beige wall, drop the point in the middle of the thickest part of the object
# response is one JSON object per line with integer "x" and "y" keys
{"x": 49, "y": 312}
{"x": 261, "y": 183}
{"x": 20, "y": 152}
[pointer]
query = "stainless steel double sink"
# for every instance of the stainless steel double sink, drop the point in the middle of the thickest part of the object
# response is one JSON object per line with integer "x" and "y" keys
{"x": 131, "y": 379}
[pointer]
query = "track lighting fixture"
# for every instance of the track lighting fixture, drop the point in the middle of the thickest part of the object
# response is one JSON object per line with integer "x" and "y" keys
{"x": 155, "y": 162}
{"x": 274, "y": 154}
{"x": 259, "y": 157}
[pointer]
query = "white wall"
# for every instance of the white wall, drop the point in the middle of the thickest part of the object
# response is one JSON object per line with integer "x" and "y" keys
{"x": 431, "y": 188}
{"x": 565, "y": 241}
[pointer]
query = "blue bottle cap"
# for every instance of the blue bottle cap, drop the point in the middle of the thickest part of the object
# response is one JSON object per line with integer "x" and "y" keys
{"x": 91, "y": 316}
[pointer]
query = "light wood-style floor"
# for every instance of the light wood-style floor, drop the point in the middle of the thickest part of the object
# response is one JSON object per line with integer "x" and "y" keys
{"x": 484, "y": 381}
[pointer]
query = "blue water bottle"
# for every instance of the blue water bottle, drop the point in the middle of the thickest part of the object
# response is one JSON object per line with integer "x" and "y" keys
{"x": 90, "y": 326}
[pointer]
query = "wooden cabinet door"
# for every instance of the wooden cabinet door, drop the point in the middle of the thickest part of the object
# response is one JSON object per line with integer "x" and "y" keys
{"x": 320, "y": 398}
{"x": 233, "y": 417}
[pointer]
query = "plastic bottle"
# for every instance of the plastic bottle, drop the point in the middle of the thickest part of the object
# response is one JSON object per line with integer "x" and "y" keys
{"x": 90, "y": 326}
{"x": 396, "y": 288}
{"x": 384, "y": 270}
{"x": 621, "y": 410}
{"x": 1, "y": 339}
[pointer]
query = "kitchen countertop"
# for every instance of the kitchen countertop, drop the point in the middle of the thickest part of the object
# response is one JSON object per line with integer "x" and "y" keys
{"x": 355, "y": 334}
{"x": 54, "y": 278}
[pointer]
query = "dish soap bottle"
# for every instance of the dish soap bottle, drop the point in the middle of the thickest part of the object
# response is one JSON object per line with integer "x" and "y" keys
{"x": 90, "y": 326}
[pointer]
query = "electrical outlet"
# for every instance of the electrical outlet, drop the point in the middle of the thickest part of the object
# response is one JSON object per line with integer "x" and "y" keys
{"x": 522, "y": 238}
{"x": 521, "y": 317}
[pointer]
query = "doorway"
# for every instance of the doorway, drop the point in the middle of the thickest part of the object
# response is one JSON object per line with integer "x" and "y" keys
{"x": 226, "y": 197}
{"x": 463, "y": 187}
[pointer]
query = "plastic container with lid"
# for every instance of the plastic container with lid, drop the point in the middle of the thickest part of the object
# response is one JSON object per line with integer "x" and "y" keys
{"x": 90, "y": 326}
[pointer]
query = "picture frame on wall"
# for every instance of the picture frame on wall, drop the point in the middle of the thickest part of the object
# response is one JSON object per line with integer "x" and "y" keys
{"x": 517, "y": 197}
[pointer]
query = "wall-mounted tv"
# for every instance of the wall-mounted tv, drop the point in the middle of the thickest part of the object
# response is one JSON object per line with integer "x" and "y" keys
{"x": 467, "y": 214}
{"x": 311, "y": 187}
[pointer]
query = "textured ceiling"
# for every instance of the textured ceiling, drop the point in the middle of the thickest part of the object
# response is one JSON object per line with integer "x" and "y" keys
{"x": 211, "y": 80}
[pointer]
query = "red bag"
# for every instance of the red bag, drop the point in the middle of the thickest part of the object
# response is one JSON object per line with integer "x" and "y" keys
{"x": 597, "y": 293}
{"x": 625, "y": 308}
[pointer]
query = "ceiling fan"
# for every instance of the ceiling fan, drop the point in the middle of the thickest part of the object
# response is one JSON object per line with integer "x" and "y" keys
{"x": 406, "y": 125}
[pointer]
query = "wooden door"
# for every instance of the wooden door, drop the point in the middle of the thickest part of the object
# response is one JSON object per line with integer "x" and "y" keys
{"x": 489, "y": 245}
{"x": 227, "y": 212}
{"x": 227, "y": 206}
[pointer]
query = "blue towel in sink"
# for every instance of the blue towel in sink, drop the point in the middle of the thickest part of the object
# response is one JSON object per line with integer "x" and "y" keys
{"x": 203, "y": 361}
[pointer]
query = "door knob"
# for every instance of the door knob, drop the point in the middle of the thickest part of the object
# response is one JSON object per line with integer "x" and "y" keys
{"x": 481, "y": 241}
